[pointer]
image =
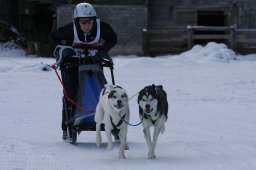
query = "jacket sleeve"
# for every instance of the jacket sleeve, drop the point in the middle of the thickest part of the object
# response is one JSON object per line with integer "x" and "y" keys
{"x": 109, "y": 37}
{"x": 62, "y": 36}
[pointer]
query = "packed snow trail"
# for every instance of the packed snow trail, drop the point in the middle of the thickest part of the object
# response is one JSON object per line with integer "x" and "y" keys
{"x": 211, "y": 125}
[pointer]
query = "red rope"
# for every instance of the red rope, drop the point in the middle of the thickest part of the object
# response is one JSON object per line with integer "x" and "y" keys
{"x": 66, "y": 96}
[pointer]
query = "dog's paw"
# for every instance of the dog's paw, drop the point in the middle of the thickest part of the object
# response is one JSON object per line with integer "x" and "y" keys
{"x": 110, "y": 147}
{"x": 98, "y": 141}
{"x": 122, "y": 156}
{"x": 151, "y": 155}
{"x": 126, "y": 147}
{"x": 98, "y": 144}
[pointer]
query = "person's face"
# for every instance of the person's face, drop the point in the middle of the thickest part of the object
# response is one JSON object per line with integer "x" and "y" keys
{"x": 86, "y": 24}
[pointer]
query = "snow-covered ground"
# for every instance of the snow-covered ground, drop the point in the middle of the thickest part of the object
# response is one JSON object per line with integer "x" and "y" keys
{"x": 212, "y": 113}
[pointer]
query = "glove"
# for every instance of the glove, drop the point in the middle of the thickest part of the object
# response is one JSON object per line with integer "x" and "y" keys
{"x": 62, "y": 53}
{"x": 102, "y": 54}
{"x": 104, "y": 58}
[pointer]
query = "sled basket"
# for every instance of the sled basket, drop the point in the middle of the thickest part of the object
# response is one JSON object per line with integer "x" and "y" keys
{"x": 91, "y": 82}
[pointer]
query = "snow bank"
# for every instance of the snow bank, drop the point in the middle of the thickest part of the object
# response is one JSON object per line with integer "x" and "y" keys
{"x": 211, "y": 52}
{"x": 10, "y": 49}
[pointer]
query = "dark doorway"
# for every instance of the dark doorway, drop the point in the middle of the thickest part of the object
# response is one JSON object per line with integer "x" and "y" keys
{"x": 43, "y": 21}
{"x": 211, "y": 18}
{"x": 37, "y": 23}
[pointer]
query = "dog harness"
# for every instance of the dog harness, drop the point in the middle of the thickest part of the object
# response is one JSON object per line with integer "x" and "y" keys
{"x": 115, "y": 127}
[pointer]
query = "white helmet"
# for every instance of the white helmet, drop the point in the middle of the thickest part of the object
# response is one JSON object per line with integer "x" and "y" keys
{"x": 84, "y": 10}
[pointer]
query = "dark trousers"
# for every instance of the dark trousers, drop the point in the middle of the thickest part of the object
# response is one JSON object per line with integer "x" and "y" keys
{"x": 69, "y": 76}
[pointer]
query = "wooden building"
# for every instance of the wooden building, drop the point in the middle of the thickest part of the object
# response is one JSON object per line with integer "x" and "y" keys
{"x": 176, "y": 25}
{"x": 128, "y": 18}
{"x": 144, "y": 27}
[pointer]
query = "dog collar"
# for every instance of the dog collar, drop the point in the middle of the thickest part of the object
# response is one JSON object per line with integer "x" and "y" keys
{"x": 154, "y": 122}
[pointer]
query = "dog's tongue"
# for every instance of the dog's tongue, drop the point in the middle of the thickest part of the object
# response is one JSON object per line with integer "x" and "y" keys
{"x": 148, "y": 110}
{"x": 119, "y": 106}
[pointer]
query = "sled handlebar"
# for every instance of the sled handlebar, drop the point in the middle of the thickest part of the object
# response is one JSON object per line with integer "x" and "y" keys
{"x": 61, "y": 52}
{"x": 102, "y": 58}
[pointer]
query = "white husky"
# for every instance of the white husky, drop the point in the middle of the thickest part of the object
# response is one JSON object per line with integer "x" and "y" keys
{"x": 113, "y": 110}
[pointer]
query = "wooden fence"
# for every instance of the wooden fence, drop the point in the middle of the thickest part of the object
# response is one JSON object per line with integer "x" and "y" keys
{"x": 157, "y": 42}
{"x": 211, "y": 33}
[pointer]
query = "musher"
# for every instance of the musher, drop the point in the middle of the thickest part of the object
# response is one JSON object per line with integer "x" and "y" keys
{"x": 88, "y": 33}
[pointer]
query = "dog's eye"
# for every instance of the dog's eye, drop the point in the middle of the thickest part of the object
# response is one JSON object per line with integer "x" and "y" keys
{"x": 114, "y": 97}
{"x": 123, "y": 96}
{"x": 143, "y": 100}
{"x": 151, "y": 99}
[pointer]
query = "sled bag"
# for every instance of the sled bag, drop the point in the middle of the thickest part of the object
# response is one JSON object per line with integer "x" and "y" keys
{"x": 91, "y": 82}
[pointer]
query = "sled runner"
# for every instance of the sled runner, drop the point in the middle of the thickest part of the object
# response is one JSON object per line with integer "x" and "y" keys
{"x": 91, "y": 81}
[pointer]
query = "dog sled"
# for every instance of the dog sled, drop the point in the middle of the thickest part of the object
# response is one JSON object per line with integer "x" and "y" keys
{"x": 91, "y": 81}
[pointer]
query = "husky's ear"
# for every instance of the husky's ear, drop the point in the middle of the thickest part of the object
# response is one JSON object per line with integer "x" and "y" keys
{"x": 109, "y": 87}
{"x": 160, "y": 87}
{"x": 124, "y": 91}
{"x": 118, "y": 87}
{"x": 106, "y": 85}
{"x": 139, "y": 96}
{"x": 103, "y": 91}
{"x": 125, "y": 94}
